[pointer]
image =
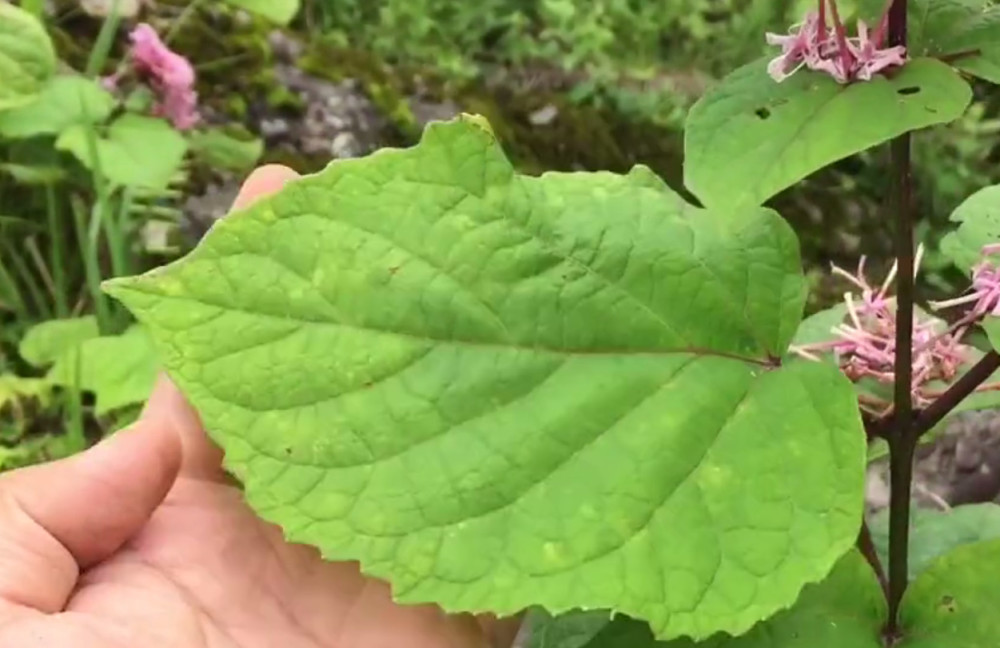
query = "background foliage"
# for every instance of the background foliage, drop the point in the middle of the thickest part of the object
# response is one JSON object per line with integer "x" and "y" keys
{"x": 613, "y": 79}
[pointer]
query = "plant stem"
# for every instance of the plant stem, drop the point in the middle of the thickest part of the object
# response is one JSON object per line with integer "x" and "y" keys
{"x": 902, "y": 440}
{"x": 956, "y": 393}
{"x": 867, "y": 548}
{"x": 105, "y": 39}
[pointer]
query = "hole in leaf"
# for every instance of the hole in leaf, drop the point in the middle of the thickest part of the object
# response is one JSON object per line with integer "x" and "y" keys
{"x": 763, "y": 113}
{"x": 909, "y": 90}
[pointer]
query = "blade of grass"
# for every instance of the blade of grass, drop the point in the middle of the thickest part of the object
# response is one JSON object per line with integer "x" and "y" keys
{"x": 57, "y": 251}
{"x": 105, "y": 38}
{"x": 24, "y": 275}
{"x": 92, "y": 269}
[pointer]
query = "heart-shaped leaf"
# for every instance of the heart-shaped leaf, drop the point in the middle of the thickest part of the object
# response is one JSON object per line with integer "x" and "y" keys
{"x": 118, "y": 369}
{"x": 27, "y": 57}
{"x": 64, "y": 101}
{"x": 499, "y": 391}
{"x": 749, "y": 137}
{"x": 46, "y": 342}
{"x": 136, "y": 152}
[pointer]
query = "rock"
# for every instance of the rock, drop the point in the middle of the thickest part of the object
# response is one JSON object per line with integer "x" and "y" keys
{"x": 543, "y": 116}
{"x": 425, "y": 111}
{"x": 339, "y": 121}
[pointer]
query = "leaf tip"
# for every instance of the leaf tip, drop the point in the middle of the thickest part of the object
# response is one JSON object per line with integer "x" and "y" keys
{"x": 478, "y": 121}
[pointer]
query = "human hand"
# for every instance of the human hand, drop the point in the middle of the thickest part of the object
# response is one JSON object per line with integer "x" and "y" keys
{"x": 143, "y": 541}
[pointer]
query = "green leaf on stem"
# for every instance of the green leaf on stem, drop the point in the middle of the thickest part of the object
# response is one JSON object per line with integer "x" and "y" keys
{"x": 498, "y": 391}
{"x": 978, "y": 219}
{"x": 64, "y": 101}
{"x": 277, "y": 11}
{"x": 27, "y": 57}
{"x": 118, "y": 369}
{"x": 953, "y": 601}
{"x": 979, "y": 225}
{"x": 137, "y": 151}
{"x": 749, "y": 138}
{"x": 45, "y": 343}
{"x": 222, "y": 150}
{"x": 574, "y": 629}
{"x": 819, "y": 326}
{"x": 965, "y": 33}
{"x": 935, "y": 533}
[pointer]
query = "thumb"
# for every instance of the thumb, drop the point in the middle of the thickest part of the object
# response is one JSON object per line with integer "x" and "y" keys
{"x": 60, "y": 518}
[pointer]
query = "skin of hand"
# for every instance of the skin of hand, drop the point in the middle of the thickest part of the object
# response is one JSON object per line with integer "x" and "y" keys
{"x": 144, "y": 541}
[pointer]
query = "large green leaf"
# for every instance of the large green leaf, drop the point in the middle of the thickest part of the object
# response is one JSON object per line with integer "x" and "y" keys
{"x": 498, "y": 391}
{"x": 64, "y": 101}
{"x": 844, "y": 611}
{"x": 935, "y": 533}
{"x": 964, "y": 32}
{"x": 950, "y": 605}
{"x": 136, "y": 152}
{"x": 45, "y": 343}
{"x": 749, "y": 137}
{"x": 279, "y": 11}
{"x": 118, "y": 369}
{"x": 27, "y": 57}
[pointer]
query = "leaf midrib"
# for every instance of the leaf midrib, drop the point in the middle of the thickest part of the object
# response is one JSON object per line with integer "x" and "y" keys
{"x": 479, "y": 344}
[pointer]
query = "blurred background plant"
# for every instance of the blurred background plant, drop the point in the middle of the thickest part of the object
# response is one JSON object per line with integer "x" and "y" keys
{"x": 95, "y": 181}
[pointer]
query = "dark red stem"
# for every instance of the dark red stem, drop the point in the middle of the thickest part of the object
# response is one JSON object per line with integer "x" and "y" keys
{"x": 956, "y": 393}
{"x": 902, "y": 440}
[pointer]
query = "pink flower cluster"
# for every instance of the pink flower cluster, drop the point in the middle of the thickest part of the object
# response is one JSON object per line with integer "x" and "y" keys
{"x": 984, "y": 294}
{"x": 814, "y": 45}
{"x": 168, "y": 74}
{"x": 865, "y": 345}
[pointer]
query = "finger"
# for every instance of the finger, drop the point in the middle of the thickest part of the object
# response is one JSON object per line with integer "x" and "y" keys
{"x": 263, "y": 182}
{"x": 60, "y": 518}
{"x": 202, "y": 459}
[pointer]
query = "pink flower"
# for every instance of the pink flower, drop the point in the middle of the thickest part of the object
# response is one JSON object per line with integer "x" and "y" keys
{"x": 984, "y": 293}
{"x": 869, "y": 56}
{"x": 800, "y": 44}
{"x": 168, "y": 74}
{"x": 865, "y": 344}
{"x": 813, "y": 45}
